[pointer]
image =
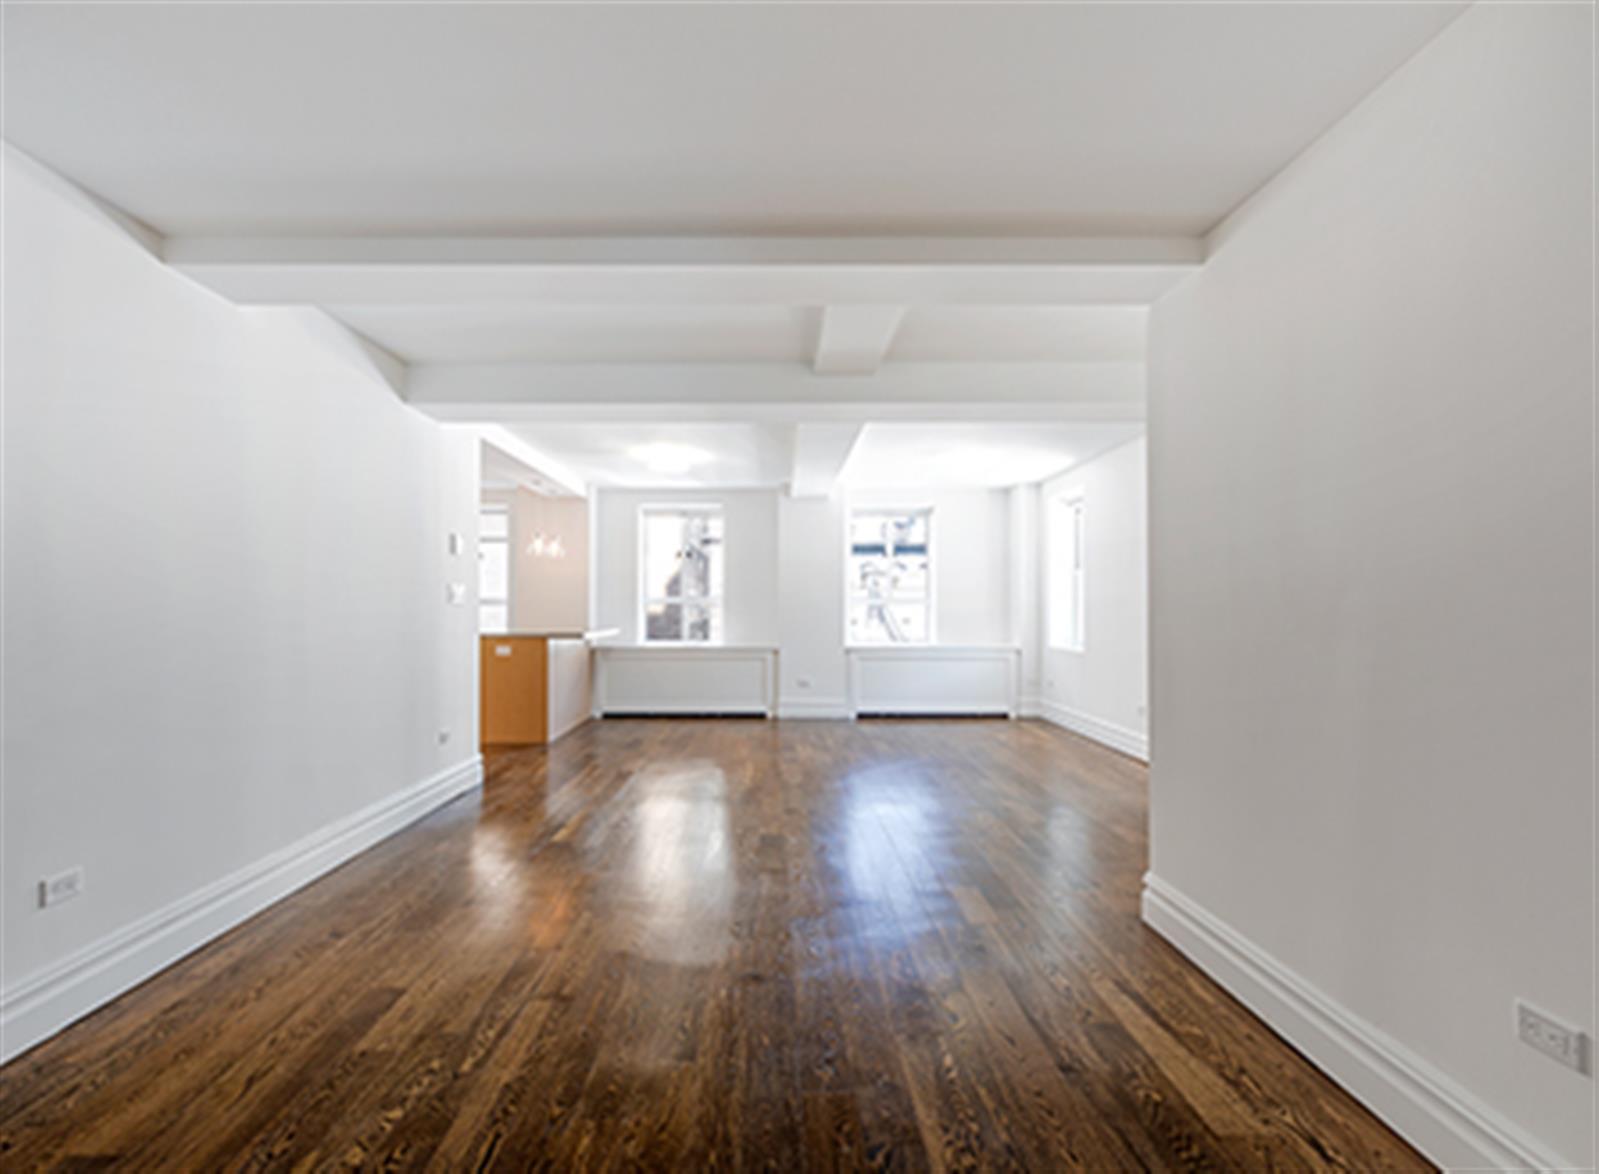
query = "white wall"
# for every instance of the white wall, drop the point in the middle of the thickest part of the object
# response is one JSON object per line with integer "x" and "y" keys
{"x": 810, "y": 578}
{"x": 785, "y": 575}
{"x": 1372, "y": 452}
{"x": 750, "y": 585}
{"x": 547, "y": 593}
{"x": 971, "y": 558}
{"x": 224, "y": 613}
{"x": 1103, "y": 690}
{"x": 1026, "y": 584}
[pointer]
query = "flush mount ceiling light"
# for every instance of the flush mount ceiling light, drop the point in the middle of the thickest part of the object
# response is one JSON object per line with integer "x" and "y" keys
{"x": 662, "y": 457}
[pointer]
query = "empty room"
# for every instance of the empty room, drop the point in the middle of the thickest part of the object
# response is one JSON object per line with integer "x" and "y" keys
{"x": 798, "y": 586}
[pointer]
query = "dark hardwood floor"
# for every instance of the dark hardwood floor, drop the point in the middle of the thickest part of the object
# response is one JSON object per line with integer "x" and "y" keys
{"x": 679, "y": 945}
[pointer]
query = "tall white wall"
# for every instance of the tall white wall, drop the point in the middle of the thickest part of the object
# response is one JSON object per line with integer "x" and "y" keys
{"x": 750, "y": 586}
{"x": 810, "y": 578}
{"x": 1102, "y": 690}
{"x": 1026, "y": 585}
{"x": 225, "y": 620}
{"x": 1372, "y": 457}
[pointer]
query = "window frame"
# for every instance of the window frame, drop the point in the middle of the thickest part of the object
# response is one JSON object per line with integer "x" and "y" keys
{"x": 929, "y": 598}
{"x": 495, "y": 507}
{"x": 715, "y": 604}
{"x": 1068, "y": 574}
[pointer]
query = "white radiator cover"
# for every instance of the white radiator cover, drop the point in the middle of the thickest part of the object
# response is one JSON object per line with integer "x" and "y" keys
{"x": 722, "y": 679}
{"x": 935, "y": 679}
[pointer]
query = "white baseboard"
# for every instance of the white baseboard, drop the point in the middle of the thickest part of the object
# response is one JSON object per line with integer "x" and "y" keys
{"x": 37, "y": 1007}
{"x": 1108, "y": 733}
{"x": 816, "y": 708}
{"x": 1445, "y": 1122}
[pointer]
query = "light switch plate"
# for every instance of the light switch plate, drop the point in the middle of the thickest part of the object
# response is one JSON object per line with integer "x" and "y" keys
{"x": 455, "y": 543}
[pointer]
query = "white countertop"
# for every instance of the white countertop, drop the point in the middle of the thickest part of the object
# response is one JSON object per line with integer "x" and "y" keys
{"x": 552, "y": 634}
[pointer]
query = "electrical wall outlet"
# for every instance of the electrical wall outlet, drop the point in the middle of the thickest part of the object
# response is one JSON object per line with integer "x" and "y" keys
{"x": 455, "y": 593}
{"x": 1559, "y": 1041}
{"x": 63, "y": 886}
{"x": 444, "y": 737}
{"x": 802, "y": 682}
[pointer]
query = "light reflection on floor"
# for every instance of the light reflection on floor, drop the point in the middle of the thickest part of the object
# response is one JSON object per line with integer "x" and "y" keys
{"x": 681, "y": 883}
{"x": 892, "y": 822}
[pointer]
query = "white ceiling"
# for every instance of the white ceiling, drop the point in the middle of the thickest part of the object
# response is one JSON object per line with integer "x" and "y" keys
{"x": 975, "y": 455}
{"x": 618, "y": 453}
{"x": 624, "y": 454}
{"x": 339, "y": 119}
{"x": 741, "y": 230}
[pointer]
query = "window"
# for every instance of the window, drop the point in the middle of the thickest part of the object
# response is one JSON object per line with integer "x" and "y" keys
{"x": 493, "y": 568}
{"x": 681, "y": 560}
{"x": 890, "y": 577}
{"x": 1067, "y": 627}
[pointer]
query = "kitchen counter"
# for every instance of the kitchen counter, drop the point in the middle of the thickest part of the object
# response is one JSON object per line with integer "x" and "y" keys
{"x": 535, "y": 685}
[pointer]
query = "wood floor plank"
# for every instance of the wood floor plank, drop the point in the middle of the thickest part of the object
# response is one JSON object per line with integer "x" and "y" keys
{"x": 709, "y": 945}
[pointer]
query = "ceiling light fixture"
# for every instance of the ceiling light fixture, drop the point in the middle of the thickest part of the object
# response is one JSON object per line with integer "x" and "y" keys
{"x": 546, "y": 546}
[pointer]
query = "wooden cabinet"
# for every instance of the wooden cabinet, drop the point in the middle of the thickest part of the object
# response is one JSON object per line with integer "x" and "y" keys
{"x": 514, "y": 681}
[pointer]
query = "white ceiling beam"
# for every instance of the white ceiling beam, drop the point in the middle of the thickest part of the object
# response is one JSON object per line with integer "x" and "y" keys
{"x": 820, "y": 453}
{"x": 546, "y": 468}
{"x": 855, "y": 339}
{"x": 473, "y": 392}
{"x": 806, "y": 271}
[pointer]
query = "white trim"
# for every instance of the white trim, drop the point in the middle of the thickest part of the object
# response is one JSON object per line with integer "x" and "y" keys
{"x": 1029, "y": 706}
{"x": 817, "y": 708}
{"x": 1106, "y": 733}
{"x": 1445, "y": 1122}
{"x": 37, "y": 1007}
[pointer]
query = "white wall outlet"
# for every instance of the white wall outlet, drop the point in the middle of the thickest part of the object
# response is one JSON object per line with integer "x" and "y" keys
{"x": 455, "y": 593}
{"x": 1559, "y": 1041}
{"x": 63, "y": 886}
{"x": 802, "y": 682}
{"x": 444, "y": 737}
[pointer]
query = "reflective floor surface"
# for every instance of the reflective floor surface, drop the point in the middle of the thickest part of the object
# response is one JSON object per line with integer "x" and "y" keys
{"x": 696, "y": 945}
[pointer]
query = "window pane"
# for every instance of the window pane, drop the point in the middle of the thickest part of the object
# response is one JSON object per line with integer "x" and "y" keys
{"x": 494, "y": 570}
{"x": 682, "y": 553}
{"x": 889, "y": 576}
{"x": 908, "y": 622}
{"x": 698, "y": 623}
{"x": 887, "y": 623}
{"x": 909, "y": 531}
{"x": 663, "y": 621}
{"x": 493, "y": 617}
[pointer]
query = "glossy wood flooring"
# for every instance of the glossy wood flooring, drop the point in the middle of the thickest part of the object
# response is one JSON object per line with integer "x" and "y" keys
{"x": 675, "y": 945}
